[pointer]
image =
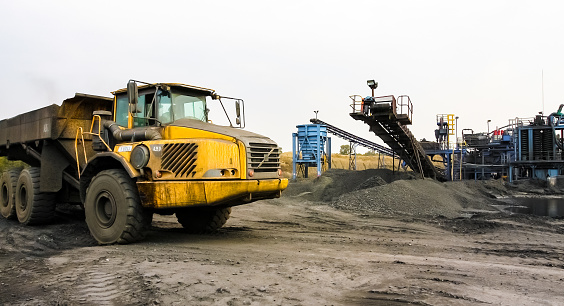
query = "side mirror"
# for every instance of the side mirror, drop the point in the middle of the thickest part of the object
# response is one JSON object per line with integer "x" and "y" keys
{"x": 132, "y": 95}
{"x": 238, "y": 112}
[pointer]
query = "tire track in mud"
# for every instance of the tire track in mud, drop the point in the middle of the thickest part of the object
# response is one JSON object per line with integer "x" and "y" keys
{"x": 104, "y": 282}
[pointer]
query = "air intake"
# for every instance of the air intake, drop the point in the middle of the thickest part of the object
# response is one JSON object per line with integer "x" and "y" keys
{"x": 179, "y": 158}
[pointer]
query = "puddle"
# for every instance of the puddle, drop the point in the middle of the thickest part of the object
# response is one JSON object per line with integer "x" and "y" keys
{"x": 540, "y": 206}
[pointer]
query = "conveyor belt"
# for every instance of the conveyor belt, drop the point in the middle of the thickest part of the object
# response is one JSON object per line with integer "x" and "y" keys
{"x": 353, "y": 138}
{"x": 387, "y": 124}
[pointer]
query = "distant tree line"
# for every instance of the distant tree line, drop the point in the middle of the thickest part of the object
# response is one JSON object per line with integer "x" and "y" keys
{"x": 346, "y": 150}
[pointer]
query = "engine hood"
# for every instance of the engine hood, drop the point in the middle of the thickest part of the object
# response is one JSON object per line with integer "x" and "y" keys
{"x": 245, "y": 136}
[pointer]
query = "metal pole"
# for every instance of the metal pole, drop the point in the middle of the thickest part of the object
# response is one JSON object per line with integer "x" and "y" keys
{"x": 393, "y": 162}
{"x": 294, "y": 155}
{"x": 318, "y": 148}
{"x": 456, "y": 131}
{"x": 489, "y": 128}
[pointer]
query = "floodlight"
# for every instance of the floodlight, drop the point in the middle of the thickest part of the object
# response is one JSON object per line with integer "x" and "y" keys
{"x": 372, "y": 84}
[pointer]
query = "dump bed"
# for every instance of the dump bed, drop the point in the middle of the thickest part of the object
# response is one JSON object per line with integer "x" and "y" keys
{"x": 34, "y": 125}
{"x": 52, "y": 122}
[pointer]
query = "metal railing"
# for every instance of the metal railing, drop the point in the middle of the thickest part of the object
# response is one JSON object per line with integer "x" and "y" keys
{"x": 357, "y": 102}
{"x": 405, "y": 106}
{"x": 400, "y": 106}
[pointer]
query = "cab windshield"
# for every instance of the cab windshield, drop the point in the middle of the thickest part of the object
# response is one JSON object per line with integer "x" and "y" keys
{"x": 175, "y": 105}
{"x": 166, "y": 107}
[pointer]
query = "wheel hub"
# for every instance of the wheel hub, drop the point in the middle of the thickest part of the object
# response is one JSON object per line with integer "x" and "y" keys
{"x": 4, "y": 196}
{"x": 106, "y": 209}
{"x": 23, "y": 198}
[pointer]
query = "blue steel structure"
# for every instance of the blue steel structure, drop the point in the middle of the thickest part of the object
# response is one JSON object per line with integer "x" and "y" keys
{"x": 538, "y": 147}
{"x": 526, "y": 148}
{"x": 310, "y": 148}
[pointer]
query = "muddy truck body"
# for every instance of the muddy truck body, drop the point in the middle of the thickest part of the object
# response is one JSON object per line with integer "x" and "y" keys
{"x": 149, "y": 149}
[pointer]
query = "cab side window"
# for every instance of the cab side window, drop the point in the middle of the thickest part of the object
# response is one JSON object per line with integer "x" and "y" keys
{"x": 122, "y": 111}
{"x": 146, "y": 110}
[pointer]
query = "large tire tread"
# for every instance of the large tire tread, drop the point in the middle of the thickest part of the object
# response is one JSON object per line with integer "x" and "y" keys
{"x": 136, "y": 221}
{"x": 42, "y": 204}
{"x": 203, "y": 220}
{"x": 10, "y": 178}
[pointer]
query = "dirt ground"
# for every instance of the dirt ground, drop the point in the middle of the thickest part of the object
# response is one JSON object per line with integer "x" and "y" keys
{"x": 347, "y": 238}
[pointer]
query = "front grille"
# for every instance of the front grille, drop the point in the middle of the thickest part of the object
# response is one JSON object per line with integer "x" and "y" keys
{"x": 179, "y": 158}
{"x": 263, "y": 157}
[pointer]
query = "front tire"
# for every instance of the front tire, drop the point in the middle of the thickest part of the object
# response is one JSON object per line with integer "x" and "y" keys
{"x": 8, "y": 185}
{"x": 113, "y": 209}
{"x": 203, "y": 220}
{"x": 32, "y": 206}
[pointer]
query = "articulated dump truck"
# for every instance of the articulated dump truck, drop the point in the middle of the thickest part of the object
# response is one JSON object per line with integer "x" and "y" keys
{"x": 149, "y": 149}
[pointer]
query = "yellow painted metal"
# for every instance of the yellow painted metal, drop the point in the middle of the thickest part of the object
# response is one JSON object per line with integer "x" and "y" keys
{"x": 93, "y": 133}
{"x": 243, "y": 154}
{"x": 181, "y": 132}
{"x": 80, "y": 132}
{"x": 188, "y": 193}
{"x": 124, "y": 149}
{"x": 212, "y": 154}
{"x": 450, "y": 120}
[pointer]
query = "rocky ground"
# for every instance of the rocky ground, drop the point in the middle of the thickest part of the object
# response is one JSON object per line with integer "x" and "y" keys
{"x": 348, "y": 238}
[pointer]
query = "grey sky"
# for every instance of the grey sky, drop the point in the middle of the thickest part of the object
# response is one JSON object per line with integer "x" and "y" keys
{"x": 477, "y": 59}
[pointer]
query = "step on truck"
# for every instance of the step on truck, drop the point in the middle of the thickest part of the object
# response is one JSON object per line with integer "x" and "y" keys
{"x": 149, "y": 149}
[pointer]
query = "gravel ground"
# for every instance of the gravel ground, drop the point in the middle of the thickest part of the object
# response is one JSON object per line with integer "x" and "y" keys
{"x": 347, "y": 238}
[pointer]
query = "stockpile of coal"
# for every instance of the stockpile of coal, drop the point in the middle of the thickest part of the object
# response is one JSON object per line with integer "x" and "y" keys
{"x": 380, "y": 191}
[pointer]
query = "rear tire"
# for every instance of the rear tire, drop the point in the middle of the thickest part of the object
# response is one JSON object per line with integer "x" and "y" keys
{"x": 113, "y": 209}
{"x": 32, "y": 206}
{"x": 203, "y": 220}
{"x": 8, "y": 184}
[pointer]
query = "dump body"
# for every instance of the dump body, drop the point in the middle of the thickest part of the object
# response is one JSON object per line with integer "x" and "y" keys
{"x": 46, "y": 137}
{"x": 53, "y": 122}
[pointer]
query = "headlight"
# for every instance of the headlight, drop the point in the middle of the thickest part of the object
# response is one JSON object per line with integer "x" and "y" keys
{"x": 139, "y": 157}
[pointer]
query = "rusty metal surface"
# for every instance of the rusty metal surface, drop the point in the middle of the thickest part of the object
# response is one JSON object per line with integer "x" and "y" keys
{"x": 31, "y": 126}
{"x": 53, "y": 121}
{"x": 53, "y": 162}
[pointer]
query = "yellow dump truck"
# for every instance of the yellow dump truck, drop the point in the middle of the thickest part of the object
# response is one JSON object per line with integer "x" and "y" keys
{"x": 149, "y": 149}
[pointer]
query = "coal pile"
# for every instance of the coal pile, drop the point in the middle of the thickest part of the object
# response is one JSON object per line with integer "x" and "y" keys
{"x": 382, "y": 192}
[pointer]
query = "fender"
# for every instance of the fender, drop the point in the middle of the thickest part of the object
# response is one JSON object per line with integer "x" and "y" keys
{"x": 104, "y": 161}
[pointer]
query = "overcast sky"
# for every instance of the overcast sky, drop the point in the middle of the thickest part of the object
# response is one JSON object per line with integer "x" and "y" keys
{"x": 479, "y": 60}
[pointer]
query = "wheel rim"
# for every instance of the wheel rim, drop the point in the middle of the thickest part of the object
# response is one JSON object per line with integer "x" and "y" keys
{"x": 106, "y": 209}
{"x": 5, "y": 196}
{"x": 23, "y": 198}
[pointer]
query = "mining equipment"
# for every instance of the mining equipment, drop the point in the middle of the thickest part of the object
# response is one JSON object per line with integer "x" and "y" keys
{"x": 524, "y": 148}
{"x": 388, "y": 118}
{"x": 149, "y": 149}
